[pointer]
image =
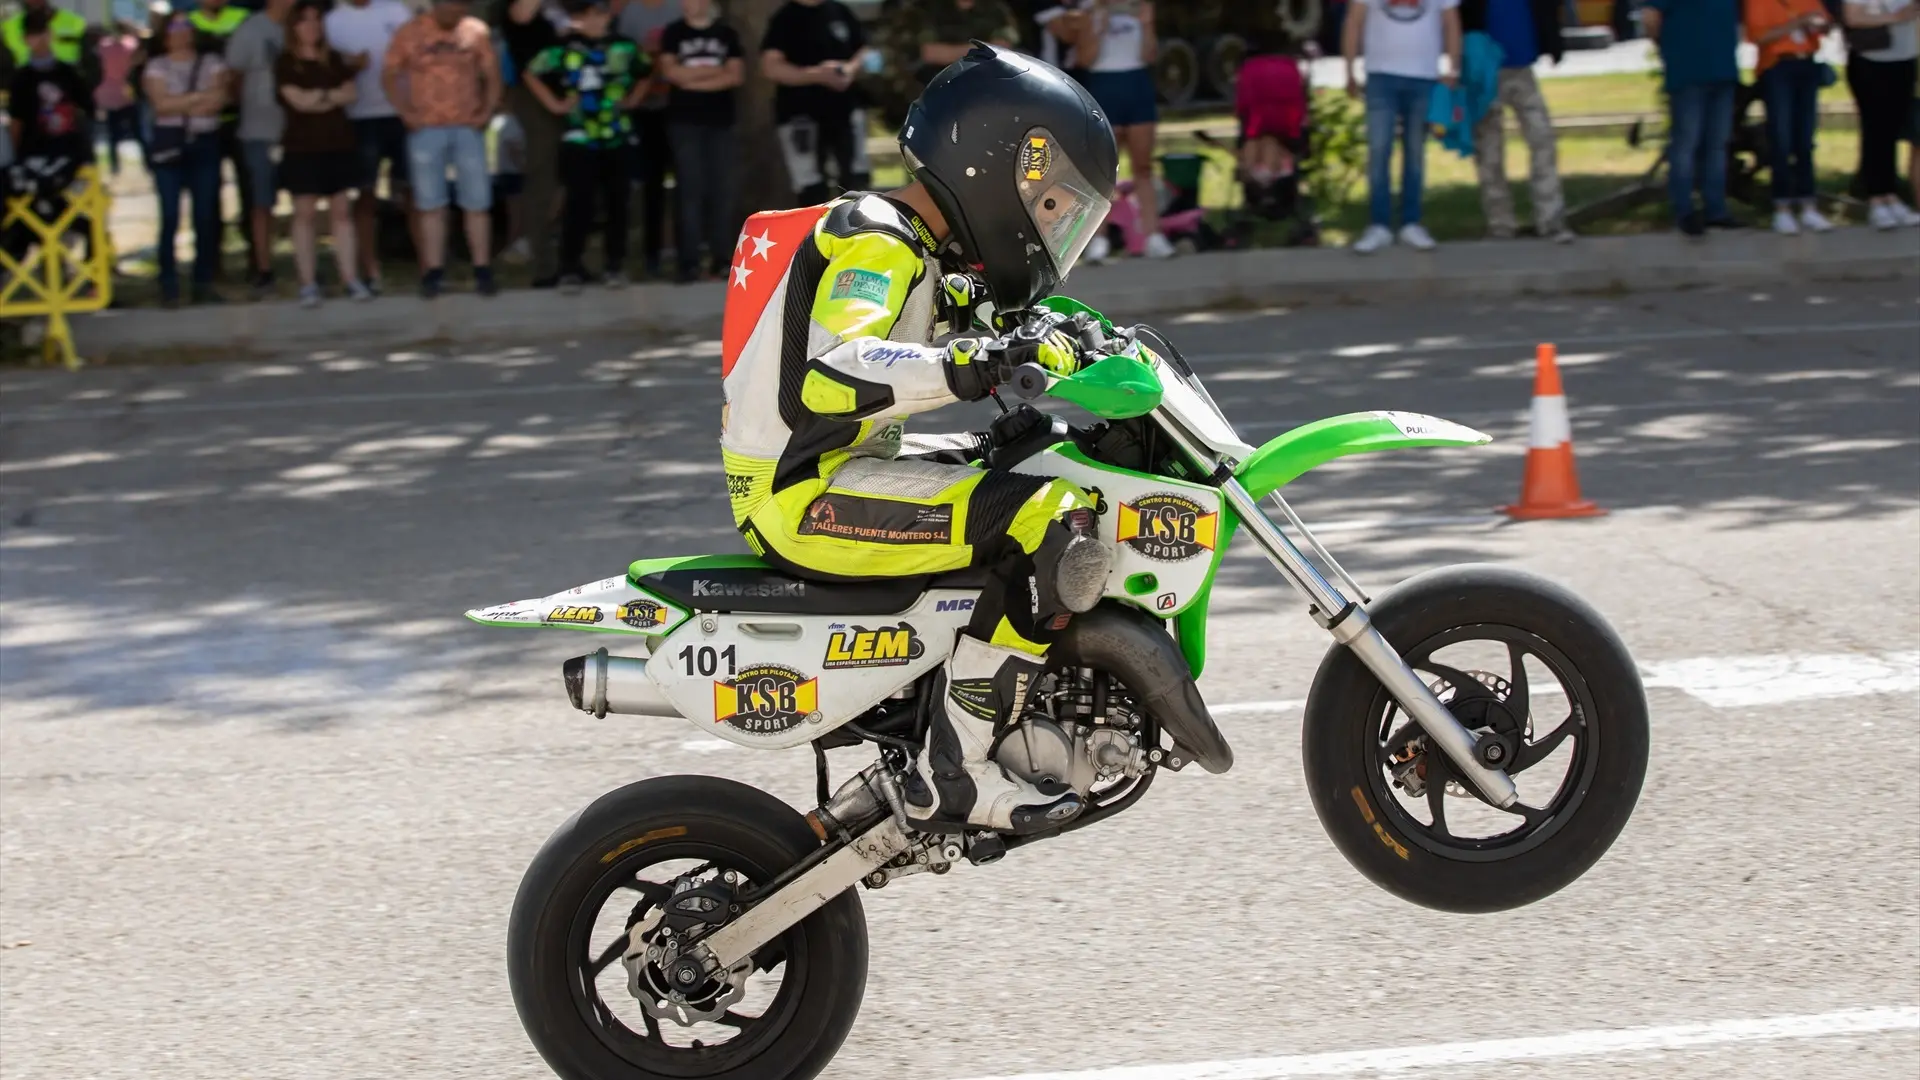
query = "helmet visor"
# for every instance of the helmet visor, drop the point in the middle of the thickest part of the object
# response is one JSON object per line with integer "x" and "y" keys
{"x": 1065, "y": 207}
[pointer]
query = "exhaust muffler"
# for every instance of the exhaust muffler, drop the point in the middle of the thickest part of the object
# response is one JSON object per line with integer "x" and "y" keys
{"x": 602, "y": 684}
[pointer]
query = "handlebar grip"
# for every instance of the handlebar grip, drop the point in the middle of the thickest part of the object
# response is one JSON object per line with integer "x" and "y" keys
{"x": 1029, "y": 381}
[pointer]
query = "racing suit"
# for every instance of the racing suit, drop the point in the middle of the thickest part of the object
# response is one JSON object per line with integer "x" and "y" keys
{"x": 831, "y": 316}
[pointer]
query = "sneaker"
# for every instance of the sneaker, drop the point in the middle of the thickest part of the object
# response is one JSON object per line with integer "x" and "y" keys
{"x": 1563, "y": 235}
{"x": 516, "y": 253}
{"x": 1694, "y": 224}
{"x": 1100, "y": 249}
{"x": 1375, "y": 238}
{"x": 614, "y": 279}
{"x": 1904, "y": 214}
{"x": 483, "y": 282}
{"x": 1785, "y": 223}
{"x": 1812, "y": 220}
{"x": 262, "y": 285}
{"x": 375, "y": 286}
{"x": 309, "y": 296}
{"x": 1159, "y": 247}
{"x": 570, "y": 284}
{"x": 1416, "y": 237}
{"x": 430, "y": 283}
{"x": 357, "y": 291}
{"x": 1882, "y": 217}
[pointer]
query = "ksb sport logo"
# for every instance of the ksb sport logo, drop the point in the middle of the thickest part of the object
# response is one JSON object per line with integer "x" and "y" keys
{"x": 765, "y": 699}
{"x": 859, "y": 647}
{"x": 1168, "y": 527}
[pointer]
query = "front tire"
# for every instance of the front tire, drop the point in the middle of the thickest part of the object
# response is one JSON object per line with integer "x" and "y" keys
{"x": 1392, "y": 804}
{"x": 580, "y": 1019}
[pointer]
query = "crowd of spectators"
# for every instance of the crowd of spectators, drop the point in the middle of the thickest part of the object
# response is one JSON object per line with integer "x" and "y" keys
{"x": 561, "y": 111}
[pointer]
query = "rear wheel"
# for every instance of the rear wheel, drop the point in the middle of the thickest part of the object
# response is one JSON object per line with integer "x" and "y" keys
{"x": 780, "y": 1016}
{"x": 1549, "y": 689}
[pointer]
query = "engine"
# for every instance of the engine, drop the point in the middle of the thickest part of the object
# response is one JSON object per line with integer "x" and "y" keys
{"x": 1080, "y": 730}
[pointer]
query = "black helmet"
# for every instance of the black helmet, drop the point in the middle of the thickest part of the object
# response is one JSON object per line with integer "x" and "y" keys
{"x": 1021, "y": 162}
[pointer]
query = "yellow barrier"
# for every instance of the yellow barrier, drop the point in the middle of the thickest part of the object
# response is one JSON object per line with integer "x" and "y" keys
{"x": 50, "y": 280}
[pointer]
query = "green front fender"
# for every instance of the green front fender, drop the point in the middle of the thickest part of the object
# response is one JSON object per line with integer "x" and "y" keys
{"x": 1284, "y": 458}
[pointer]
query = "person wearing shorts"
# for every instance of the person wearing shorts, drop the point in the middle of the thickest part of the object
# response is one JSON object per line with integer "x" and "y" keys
{"x": 319, "y": 162}
{"x": 1116, "y": 46}
{"x": 443, "y": 78}
{"x": 251, "y": 51}
{"x": 361, "y": 30}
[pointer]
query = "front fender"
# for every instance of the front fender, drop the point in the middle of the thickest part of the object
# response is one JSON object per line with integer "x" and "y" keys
{"x": 1284, "y": 458}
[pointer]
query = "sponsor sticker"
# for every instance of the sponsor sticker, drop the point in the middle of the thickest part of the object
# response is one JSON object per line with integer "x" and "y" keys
{"x": 859, "y": 647}
{"x": 954, "y": 605}
{"x": 866, "y": 285}
{"x": 1036, "y": 157}
{"x": 641, "y": 614}
{"x": 1167, "y": 527}
{"x": 880, "y": 521}
{"x": 576, "y": 614}
{"x": 765, "y": 699}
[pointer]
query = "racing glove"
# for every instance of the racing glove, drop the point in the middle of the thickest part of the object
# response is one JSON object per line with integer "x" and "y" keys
{"x": 976, "y": 366}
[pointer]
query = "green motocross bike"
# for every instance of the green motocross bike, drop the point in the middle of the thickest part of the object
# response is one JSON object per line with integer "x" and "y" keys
{"x": 1474, "y": 740}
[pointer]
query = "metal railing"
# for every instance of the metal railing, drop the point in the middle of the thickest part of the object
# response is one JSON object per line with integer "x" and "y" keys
{"x": 50, "y": 277}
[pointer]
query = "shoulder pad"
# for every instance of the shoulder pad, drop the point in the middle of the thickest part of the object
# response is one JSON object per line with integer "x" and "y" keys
{"x": 873, "y": 213}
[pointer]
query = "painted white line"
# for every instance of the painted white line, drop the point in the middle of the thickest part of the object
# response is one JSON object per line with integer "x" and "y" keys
{"x": 1493, "y": 1051}
{"x": 1278, "y": 705}
{"x": 708, "y": 746}
{"x": 1733, "y": 682}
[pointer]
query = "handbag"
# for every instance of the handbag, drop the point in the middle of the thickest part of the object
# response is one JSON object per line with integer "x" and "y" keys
{"x": 170, "y": 142}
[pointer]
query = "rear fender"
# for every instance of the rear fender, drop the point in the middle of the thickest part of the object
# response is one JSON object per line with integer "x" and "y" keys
{"x": 612, "y": 606}
{"x": 1284, "y": 458}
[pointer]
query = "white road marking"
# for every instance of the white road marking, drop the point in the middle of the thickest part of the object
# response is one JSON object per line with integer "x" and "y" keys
{"x": 1734, "y": 682}
{"x": 1278, "y": 705}
{"x": 1569, "y": 1045}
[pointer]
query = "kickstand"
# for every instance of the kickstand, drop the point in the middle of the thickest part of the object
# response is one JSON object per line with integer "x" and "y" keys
{"x": 820, "y": 773}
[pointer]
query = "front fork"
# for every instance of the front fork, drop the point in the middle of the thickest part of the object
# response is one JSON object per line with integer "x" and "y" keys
{"x": 1347, "y": 621}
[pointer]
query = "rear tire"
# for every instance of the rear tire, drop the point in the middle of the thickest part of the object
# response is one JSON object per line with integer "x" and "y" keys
{"x": 1366, "y": 814}
{"x": 678, "y": 818}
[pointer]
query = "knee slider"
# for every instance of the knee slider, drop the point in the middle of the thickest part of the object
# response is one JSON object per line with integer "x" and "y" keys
{"x": 1070, "y": 568}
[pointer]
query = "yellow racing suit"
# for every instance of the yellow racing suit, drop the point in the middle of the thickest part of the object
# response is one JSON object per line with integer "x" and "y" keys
{"x": 832, "y": 314}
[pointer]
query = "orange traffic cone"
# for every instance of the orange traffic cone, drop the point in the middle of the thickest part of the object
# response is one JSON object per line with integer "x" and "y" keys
{"x": 1551, "y": 488}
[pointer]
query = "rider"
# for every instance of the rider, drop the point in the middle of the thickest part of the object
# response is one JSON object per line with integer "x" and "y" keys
{"x": 832, "y": 314}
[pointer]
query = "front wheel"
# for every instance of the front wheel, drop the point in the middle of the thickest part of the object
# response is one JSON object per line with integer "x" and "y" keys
{"x": 779, "y": 1016}
{"x": 1521, "y": 662}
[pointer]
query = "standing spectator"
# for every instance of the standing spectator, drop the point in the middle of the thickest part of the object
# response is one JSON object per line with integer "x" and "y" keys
{"x": 509, "y": 165}
{"x": 322, "y": 159}
{"x": 67, "y": 29}
{"x": 1697, "y": 40}
{"x": 530, "y": 28}
{"x": 1882, "y": 81}
{"x": 644, "y": 22}
{"x": 252, "y": 52}
{"x": 187, "y": 89}
{"x": 120, "y": 52}
{"x": 1525, "y": 30}
{"x": 49, "y": 107}
{"x": 1403, "y": 41}
{"x": 1059, "y": 24}
{"x": 592, "y": 79}
{"x": 1116, "y": 45}
{"x": 214, "y": 21}
{"x": 361, "y": 30}
{"x": 443, "y": 78}
{"x": 1787, "y": 34}
{"x": 703, "y": 60}
{"x": 812, "y": 51}
{"x": 949, "y": 27}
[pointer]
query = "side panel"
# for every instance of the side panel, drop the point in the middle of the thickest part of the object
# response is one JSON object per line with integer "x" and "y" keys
{"x": 611, "y": 605}
{"x": 774, "y": 681}
{"x": 1167, "y": 535}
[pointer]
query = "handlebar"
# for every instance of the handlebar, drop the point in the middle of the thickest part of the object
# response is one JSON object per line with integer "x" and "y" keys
{"x": 1029, "y": 381}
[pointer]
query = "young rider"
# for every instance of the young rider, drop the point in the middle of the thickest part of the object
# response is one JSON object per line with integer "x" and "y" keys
{"x": 832, "y": 315}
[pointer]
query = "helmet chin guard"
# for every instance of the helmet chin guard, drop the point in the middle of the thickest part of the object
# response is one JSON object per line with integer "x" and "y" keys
{"x": 1022, "y": 164}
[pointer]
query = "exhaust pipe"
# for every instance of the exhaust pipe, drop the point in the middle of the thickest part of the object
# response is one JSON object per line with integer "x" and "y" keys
{"x": 602, "y": 684}
{"x": 1136, "y": 649}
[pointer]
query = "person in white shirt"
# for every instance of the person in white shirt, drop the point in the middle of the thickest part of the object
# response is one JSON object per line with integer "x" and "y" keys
{"x": 1403, "y": 41}
{"x": 360, "y": 31}
{"x": 1115, "y": 44}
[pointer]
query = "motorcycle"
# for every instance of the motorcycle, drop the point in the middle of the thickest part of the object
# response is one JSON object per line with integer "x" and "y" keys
{"x": 1474, "y": 739}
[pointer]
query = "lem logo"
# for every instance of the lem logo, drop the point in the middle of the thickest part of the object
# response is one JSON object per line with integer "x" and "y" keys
{"x": 859, "y": 647}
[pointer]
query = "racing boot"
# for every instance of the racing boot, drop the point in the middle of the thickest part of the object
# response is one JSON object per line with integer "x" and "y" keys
{"x": 955, "y": 785}
{"x": 1070, "y": 568}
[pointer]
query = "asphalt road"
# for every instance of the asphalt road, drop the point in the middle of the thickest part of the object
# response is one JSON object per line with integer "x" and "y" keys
{"x": 265, "y": 797}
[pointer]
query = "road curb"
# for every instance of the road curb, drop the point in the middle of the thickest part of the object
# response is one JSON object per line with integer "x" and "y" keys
{"x": 1479, "y": 270}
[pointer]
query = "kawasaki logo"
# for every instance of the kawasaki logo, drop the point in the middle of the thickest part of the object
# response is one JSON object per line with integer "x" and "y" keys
{"x": 764, "y": 588}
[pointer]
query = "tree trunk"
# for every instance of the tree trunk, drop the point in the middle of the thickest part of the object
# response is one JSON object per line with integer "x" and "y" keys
{"x": 764, "y": 183}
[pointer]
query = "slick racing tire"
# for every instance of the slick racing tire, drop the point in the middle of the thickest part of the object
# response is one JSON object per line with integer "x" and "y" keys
{"x": 624, "y": 856}
{"x": 1392, "y": 802}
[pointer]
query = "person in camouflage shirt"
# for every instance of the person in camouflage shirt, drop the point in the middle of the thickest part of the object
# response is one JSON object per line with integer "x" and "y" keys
{"x": 591, "y": 79}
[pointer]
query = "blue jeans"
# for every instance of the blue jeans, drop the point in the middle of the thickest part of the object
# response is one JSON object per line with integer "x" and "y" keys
{"x": 432, "y": 150}
{"x": 1791, "y": 88}
{"x": 1396, "y": 102}
{"x": 196, "y": 172}
{"x": 1701, "y": 125}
